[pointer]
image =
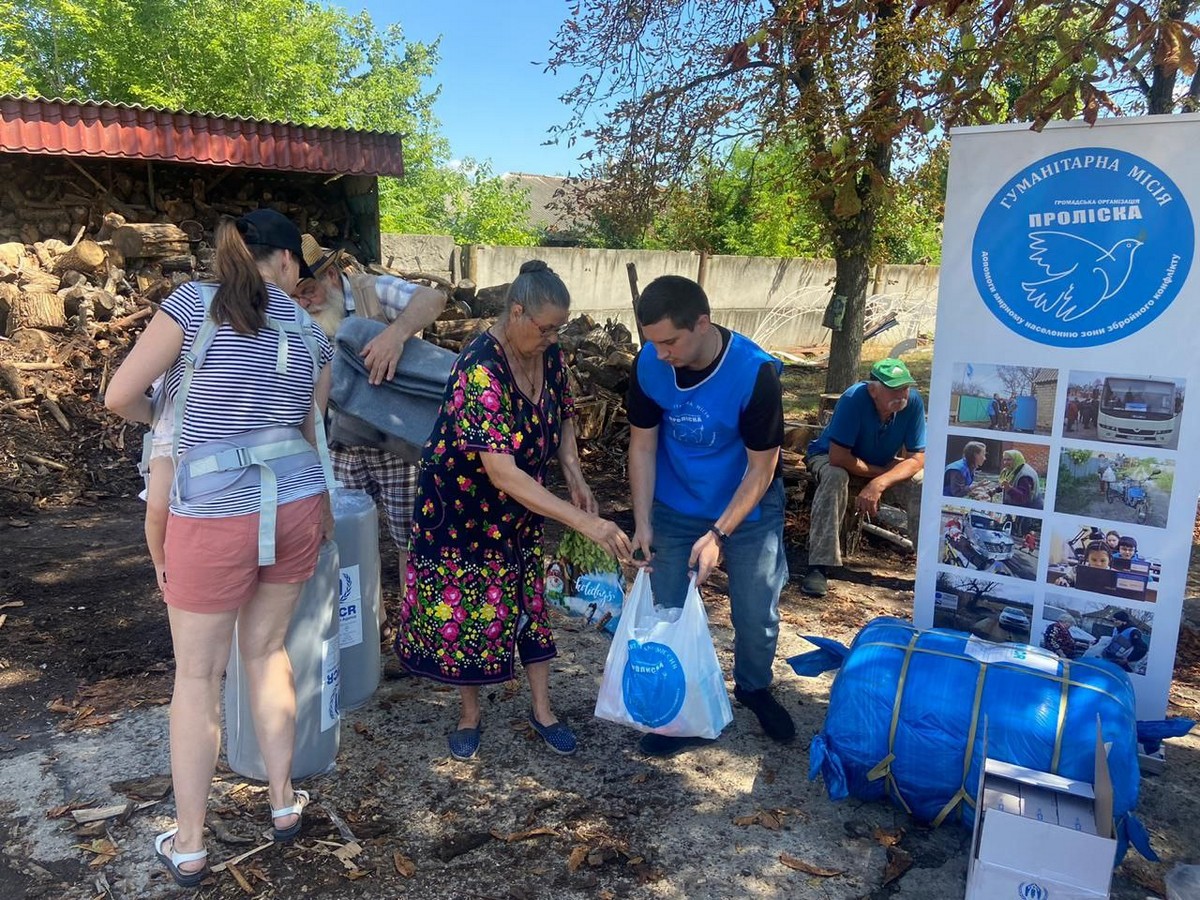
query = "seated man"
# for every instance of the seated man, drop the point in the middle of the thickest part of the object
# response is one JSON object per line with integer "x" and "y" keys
{"x": 873, "y": 421}
{"x": 960, "y": 474}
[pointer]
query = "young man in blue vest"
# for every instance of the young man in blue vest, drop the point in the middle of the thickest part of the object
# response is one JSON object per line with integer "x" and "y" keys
{"x": 960, "y": 474}
{"x": 706, "y": 425}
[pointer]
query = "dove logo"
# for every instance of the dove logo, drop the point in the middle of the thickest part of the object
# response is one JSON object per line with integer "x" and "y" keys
{"x": 690, "y": 424}
{"x": 1083, "y": 248}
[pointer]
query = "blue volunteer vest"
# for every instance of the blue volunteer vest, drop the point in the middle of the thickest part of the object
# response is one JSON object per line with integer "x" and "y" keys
{"x": 701, "y": 455}
{"x": 964, "y": 467}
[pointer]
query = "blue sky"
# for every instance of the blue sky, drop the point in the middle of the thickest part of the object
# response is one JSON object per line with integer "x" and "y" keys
{"x": 494, "y": 103}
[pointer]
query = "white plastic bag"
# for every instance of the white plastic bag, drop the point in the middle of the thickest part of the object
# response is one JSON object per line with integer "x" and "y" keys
{"x": 662, "y": 673}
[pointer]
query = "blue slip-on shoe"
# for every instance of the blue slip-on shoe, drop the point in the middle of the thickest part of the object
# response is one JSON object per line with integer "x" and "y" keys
{"x": 464, "y": 743}
{"x": 558, "y": 737}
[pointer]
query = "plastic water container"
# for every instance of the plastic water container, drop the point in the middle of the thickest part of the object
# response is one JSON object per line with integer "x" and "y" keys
{"x": 313, "y": 646}
{"x": 356, "y": 532}
{"x": 1025, "y": 416}
{"x": 1183, "y": 883}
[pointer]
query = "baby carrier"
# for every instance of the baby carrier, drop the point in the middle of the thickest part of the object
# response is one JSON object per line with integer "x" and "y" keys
{"x": 260, "y": 457}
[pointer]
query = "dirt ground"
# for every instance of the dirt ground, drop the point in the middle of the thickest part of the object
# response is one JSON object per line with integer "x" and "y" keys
{"x": 85, "y": 669}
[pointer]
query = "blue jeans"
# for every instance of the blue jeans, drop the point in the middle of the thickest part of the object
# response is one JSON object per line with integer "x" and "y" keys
{"x": 757, "y": 568}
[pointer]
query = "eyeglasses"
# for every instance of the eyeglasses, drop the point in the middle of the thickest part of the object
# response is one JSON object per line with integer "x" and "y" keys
{"x": 544, "y": 330}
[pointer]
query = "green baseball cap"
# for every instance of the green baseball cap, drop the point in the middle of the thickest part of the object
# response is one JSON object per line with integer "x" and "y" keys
{"x": 892, "y": 372}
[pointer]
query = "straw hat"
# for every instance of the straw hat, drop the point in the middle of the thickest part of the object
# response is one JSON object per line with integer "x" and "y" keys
{"x": 317, "y": 257}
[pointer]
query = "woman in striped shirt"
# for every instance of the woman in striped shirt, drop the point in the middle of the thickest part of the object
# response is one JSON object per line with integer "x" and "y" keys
{"x": 251, "y": 386}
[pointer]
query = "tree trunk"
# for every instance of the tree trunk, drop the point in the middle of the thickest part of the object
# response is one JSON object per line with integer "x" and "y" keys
{"x": 854, "y": 235}
{"x": 1161, "y": 98}
{"x": 852, "y": 275}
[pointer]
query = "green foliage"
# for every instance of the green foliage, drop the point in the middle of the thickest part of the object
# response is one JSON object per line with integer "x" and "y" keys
{"x": 758, "y": 202}
{"x": 466, "y": 201}
{"x": 749, "y": 204}
{"x": 584, "y": 555}
{"x": 299, "y": 61}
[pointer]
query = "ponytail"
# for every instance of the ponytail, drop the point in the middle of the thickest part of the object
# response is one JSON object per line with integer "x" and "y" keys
{"x": 241, "y": 300}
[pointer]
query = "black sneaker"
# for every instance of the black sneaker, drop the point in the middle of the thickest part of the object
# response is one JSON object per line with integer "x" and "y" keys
{"x": 663, "y": 745}
{"x": 814, "y": 583}
{"x": 773, "y": 718}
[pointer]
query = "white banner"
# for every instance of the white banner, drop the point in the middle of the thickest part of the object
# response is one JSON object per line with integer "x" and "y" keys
{"x": 1058, "y": 510}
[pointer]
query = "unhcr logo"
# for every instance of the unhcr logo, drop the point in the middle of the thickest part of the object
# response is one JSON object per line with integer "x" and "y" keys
{"x": 1030, "y": 890}
{"x": 1083, "y": 248}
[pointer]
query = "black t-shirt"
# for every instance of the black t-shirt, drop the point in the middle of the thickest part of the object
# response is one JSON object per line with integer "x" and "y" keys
{"x": 760, "y": 423}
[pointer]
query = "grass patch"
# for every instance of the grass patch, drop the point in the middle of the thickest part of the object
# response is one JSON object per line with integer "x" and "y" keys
{"x": 803, "y": 386}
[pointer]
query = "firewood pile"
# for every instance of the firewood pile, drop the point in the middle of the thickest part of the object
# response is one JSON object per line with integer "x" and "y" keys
{"x": 599, "y": 359}
{"x": 54, "y": 197}
{"x": 70, "y": 312}
{"x": 87, "y": 250}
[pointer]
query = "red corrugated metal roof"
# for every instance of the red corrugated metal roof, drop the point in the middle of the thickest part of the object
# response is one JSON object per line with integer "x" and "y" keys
{"x": 122, "y": 131}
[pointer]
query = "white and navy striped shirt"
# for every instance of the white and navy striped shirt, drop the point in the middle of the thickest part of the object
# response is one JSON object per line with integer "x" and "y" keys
{"x": 394, "y": 295}
{"x": 237, "y": 390}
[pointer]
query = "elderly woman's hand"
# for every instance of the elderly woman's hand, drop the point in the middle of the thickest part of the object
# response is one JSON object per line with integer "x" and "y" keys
{"x": 608, "y": 536}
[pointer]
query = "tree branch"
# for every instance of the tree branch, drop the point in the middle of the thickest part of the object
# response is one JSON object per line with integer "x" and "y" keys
{"x": 711, "y": 76}
{"x": 1191, "y": 102}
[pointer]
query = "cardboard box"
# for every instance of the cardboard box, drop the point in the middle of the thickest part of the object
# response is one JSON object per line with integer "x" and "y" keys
{"x": 1040, "y": 836}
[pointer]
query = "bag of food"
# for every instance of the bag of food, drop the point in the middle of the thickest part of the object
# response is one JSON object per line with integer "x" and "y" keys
{"x": 662, "y": 673}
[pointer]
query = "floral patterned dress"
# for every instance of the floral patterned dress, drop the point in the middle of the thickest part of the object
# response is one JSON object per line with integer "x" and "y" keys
{"x": 474, "y": 595}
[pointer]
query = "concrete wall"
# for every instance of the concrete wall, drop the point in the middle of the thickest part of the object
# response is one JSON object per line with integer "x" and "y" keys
{"x": 778, "y": 302}
{"x": 430, "y": 253}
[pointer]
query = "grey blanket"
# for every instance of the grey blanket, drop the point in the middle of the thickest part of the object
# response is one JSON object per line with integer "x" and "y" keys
{"x": 397, "y": 415}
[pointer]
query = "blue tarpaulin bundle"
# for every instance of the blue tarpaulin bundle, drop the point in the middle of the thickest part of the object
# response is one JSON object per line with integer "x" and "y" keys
{"x": 908, "y": 708}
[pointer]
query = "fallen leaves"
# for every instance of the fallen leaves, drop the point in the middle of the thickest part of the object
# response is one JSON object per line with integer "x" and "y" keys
{"x": 578, "y": 857}
{"x": 771, "y": 819}
{"x": 807, "y": 868}
{"x": 404, "y": 866}
{"x": 888, "y": 837}
{"x": 104, "y": 850}
{"x": 898, "y": 863}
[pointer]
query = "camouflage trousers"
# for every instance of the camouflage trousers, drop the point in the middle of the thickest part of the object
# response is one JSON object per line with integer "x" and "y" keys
{"x": 829, "y": 506}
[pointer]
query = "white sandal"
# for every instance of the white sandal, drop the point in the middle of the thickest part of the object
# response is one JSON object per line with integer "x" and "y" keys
{"x": 283, "y": 835}
{"x": 176, "y": 859}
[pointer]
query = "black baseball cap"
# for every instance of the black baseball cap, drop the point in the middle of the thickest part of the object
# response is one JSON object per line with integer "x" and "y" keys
{"x": 1121, "y": 616}
{"x": 268, "y": 228}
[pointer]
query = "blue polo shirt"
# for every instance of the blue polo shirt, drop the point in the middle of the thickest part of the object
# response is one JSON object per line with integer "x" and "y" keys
{"x": 857, "y": 427}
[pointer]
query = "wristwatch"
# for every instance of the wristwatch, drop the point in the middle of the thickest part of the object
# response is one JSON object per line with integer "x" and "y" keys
{"x": 722, "y": 537}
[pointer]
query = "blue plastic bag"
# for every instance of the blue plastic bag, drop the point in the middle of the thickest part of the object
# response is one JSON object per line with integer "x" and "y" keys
{"x": 662, "y": 673}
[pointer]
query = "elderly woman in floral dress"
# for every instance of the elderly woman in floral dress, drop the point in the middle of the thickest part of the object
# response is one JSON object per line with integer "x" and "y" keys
{"x": 474, "y": 598}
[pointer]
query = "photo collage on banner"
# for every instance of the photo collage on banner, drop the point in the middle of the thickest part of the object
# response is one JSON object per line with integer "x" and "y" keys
{"x": 1058, "y": 401}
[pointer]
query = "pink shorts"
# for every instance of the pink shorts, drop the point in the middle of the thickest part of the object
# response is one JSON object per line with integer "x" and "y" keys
{"x": 212, "y": 564}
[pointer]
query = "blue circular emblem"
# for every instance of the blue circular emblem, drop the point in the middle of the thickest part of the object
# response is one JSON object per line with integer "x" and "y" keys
{"x": 1083, "y": 247}
{"x": 653, "y": 685}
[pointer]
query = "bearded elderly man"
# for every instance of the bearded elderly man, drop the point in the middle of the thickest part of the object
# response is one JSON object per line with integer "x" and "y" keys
{"x": 408, "y": 307}
{"x": 877, "y": 433}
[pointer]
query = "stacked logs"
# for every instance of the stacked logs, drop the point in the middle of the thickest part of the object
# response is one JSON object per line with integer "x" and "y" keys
{"x": 599, "y": 358}
{"x": 45, "y": 198}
